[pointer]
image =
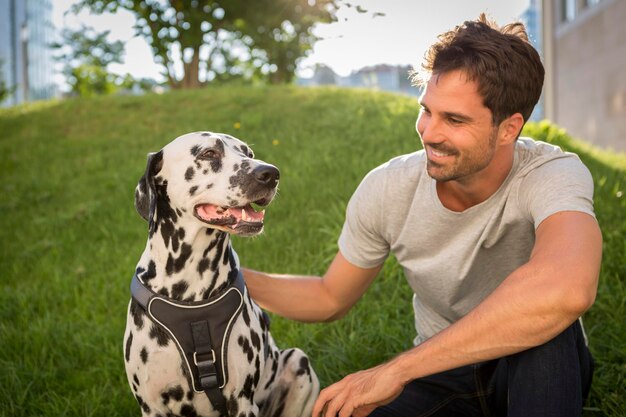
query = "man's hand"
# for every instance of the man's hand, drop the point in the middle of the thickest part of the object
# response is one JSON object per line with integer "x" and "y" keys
{"x": 358, "y": 394}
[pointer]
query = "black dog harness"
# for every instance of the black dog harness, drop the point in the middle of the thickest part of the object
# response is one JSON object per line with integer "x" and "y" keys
{"x": 200, "y": 330}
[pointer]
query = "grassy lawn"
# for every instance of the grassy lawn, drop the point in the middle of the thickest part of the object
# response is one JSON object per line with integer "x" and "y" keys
{"x": 70, "y": 237}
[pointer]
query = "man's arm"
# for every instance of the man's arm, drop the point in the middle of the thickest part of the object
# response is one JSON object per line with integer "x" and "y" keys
{"x": 311, "y": 298}
{"x": 532, "y": 306}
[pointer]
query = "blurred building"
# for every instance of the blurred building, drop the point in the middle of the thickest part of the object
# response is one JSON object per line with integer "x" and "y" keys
{"x": 26, "y": 60}
{"x": 585, "y": 56}
{"x": 532, "y": 20}
{"x": 383, "y": 77}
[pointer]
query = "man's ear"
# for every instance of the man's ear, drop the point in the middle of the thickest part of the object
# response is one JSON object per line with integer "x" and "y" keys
{"x": 511, "y": 127}
{"x": 145, "y": 192}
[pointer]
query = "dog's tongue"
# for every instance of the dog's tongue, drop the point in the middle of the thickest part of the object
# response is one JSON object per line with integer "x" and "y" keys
{"x": 213, "y": 213}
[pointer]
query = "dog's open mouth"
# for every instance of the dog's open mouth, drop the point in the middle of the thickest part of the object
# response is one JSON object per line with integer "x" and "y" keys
{"x": 244, "y": 220}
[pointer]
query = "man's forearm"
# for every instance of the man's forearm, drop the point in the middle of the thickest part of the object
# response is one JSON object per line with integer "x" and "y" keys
{"x": 296, "y": 297}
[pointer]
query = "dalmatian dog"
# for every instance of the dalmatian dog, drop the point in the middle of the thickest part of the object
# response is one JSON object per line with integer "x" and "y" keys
{"x": 197, "y": 191}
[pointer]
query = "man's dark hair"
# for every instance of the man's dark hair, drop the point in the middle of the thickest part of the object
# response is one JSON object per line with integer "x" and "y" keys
{"x": 501, "y": 60}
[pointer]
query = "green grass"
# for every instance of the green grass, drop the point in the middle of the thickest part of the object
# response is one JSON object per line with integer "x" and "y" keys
{"x": 70, "y": 236}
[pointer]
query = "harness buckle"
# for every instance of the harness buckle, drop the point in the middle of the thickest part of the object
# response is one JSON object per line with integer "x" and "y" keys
{"x": 203, "y": 362}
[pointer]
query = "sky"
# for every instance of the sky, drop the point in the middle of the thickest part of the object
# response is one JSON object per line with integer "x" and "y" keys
{"x": 399, "y": 37}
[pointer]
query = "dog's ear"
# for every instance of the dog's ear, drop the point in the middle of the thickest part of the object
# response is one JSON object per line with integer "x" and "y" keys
{"x": 145, "y": 192}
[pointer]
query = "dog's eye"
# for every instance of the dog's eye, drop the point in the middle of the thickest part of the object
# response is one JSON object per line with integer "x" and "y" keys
{"x": 209, "y": 154}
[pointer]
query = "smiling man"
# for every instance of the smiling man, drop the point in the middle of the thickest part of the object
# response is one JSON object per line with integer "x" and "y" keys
{"x": 498, "y": 241}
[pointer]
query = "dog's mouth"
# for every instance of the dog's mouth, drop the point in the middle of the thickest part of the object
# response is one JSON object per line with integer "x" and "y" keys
{"x": 243, "y": 220}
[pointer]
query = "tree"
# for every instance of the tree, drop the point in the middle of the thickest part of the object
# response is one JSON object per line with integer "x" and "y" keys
{"x": 5, "y": 90}
{"x": 86, "y": 56}
{"x": 223, "y": 38}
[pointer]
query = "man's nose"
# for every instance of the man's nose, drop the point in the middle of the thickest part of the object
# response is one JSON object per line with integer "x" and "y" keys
{"x": 427, "y": 128}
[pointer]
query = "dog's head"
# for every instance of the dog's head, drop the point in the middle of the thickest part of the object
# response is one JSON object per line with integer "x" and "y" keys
{"x": 207, "y": 177}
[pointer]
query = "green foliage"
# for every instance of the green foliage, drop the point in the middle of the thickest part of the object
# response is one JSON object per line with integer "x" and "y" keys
{"x": 224, "y": 39}
{"x": 70, "y": 236}
{"x": 5, "y": 90}
{"x": 86, "y": 55}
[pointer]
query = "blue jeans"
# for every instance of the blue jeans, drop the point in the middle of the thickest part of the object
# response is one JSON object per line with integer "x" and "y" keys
{"x": 549, "y": 380}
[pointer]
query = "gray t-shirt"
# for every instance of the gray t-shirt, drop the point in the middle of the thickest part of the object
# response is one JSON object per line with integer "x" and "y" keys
{"x": 453, "y": 260}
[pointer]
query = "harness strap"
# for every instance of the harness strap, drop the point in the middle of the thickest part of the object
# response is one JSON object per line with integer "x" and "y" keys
{"x": 204, "y": 359}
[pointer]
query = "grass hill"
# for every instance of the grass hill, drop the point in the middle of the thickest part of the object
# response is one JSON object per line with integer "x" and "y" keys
{"x": 70, "y": 236}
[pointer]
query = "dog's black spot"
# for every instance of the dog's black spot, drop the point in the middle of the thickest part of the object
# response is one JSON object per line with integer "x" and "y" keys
{"x": 179, "y": 212}
{"x": 144, "y": 355}
{"x": 189, "y": 395}
{"x": 241, "y": 176}
{"x": 190, "y": 298}
{"x": 177, "y": 393}
{"x": 193, "y": 190}
{"x": 245, "y": 346}
{"x": 179, "y": 289}
{"x": 203, "y": 265}
{"x": 218, "y": 253}
{"x": 161, "y": 337}
{"x": 138, "y": 314}
{"x": 226, "y": 257}
{"x": 205, "y": 134}
{"x": 136, "y": 380}
{"x": 288, "y": 355}
{"x": 273, "y": 375}
{"x": 164, "y": 292}
{"x": 206, "y": 171}
{"x": 246, "y": 151}
{"x": 149, "y": 273}
{"x": 255, "y": 339}
{"x": 246, "y": 317}
{"x": 257, "y": 372}
{"x": 142, "y": 404}
{"x": 129, "y": 343}
{"x": 209, "y": 186}
{"x": 216, "y": 164}
{"x": 236, "y": 167}
{"x": 248, "y": 386}
{"x": 304, "y": 366}
{"x": 166, "y": 216}
{"x": 188, "y": 410}
{"x": 232, "y": 405}
{"x": 189, "y": 173}
{"x": 195, "y": 150}
{"x": 175, "y": 265}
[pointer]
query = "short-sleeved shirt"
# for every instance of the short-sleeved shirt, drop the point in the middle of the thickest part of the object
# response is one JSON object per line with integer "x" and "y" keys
{"x": 453, "y": 260}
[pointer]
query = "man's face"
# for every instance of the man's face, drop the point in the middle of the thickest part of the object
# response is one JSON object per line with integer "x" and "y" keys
{"x": 456, "y": 129}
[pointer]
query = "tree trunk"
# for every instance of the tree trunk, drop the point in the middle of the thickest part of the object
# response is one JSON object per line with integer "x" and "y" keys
{"x": 191, "y": 77}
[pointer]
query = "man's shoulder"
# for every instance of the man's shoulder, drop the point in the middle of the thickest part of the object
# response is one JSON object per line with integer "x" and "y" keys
{"x": 536, "y": 157}
{"x": 409, "y": 164}
{"x": 394, "y": 177}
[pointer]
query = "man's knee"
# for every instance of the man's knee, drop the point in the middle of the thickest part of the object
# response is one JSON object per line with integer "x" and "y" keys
{"x": 556, "y": 374}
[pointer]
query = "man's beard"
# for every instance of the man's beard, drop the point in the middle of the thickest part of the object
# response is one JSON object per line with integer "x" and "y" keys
{"x": 464, "y": 164}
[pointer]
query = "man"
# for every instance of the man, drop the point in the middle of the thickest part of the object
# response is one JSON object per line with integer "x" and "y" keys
{"x": 497, "y": 238}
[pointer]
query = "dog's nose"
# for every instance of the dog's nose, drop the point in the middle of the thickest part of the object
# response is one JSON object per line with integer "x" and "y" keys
{"x": 266, "y": 174}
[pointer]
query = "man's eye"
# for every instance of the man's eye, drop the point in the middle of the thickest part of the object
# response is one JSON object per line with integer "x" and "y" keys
{"x": 455, "y": 121}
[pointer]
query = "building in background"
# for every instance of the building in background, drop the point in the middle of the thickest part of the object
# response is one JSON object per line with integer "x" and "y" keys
{"x": 383, "y": 77}
{"x": 585, "y": 56}
{"x": 532, "y": 20}
{"x": 27, "y": 64}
